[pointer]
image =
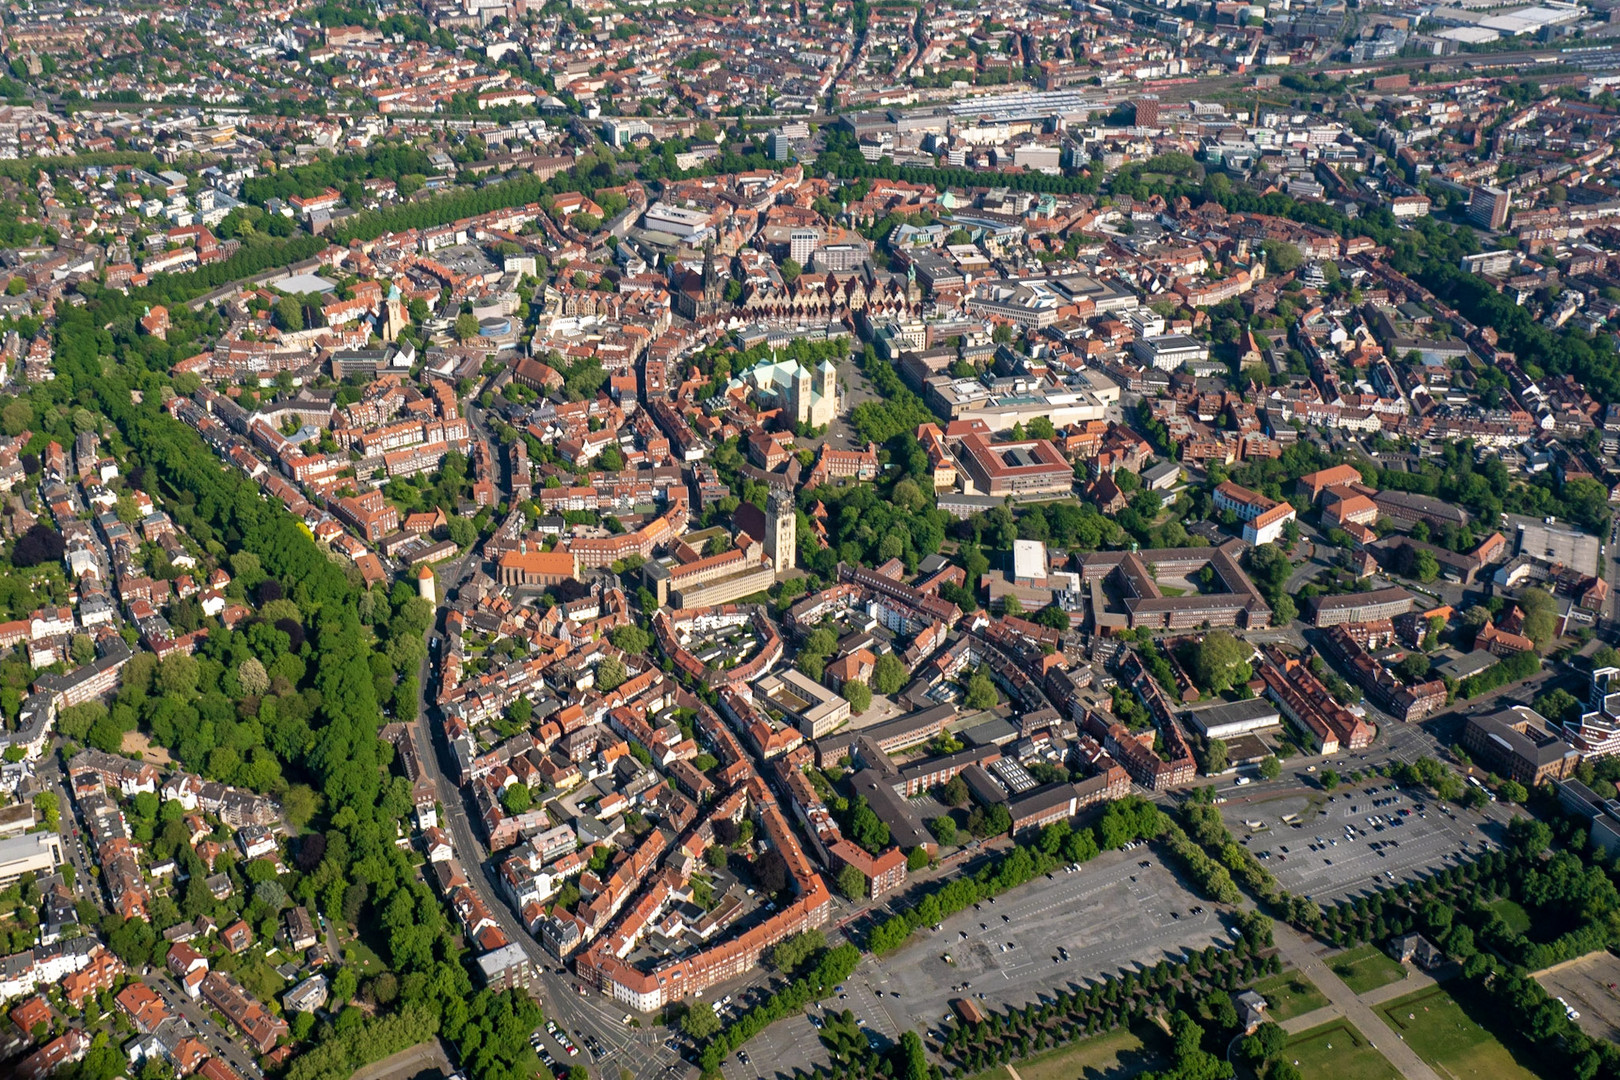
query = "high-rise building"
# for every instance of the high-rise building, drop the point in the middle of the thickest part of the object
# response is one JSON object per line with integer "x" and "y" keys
{"x": 1488, "y": 207}
{"x": 802, "y": 244}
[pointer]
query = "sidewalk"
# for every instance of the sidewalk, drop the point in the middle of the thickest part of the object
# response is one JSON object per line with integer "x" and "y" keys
{"x": 1301, "y": 953}
{"x": 1415, "y": 980}
{"x": 1314, "y": 1018}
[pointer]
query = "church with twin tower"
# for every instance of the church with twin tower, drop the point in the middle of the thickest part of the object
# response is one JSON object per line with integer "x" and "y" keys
{"x": 810, "y": 399}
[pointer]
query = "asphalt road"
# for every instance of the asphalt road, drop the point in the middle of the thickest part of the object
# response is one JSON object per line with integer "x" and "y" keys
{"x": 85, "y": 885}
{"x": 635, "y": 1049}
{"x": 230, "y": 1051}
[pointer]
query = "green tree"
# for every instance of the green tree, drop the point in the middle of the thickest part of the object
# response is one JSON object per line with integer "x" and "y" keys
{"x": 466, "y": 327}
{"x": 1270, "y": 768}
{"x": 888, "y": 674}
{"x": 700, "y": 1023}
{"x": 289, "y": 313}
{"x": 913, "y": 1061}
{"x": 631, "y": 639}
{"x": 49, "y": 810}
{"x": 610, "y": 674}
{"x": 944, "y": 829}
{"x": 851, "y": 882}
{"x": 177, "y": 676}
{"x": 463, "y": 533}
{"x": 517, "y": 798}
{"x": 790, "y": 955}
{"x": 1220, "y": 661}
{"x": 1540, "y": 615}
{"x": 1282, "y": 257}
{"x": 300, "y": 805}
{"x": 858, "y": 695}
{"x": 866, "y": 828}
{"x": 1558, "y": 705}
{"x": 981, "y": 692}
{"x": 1413, "y": 667}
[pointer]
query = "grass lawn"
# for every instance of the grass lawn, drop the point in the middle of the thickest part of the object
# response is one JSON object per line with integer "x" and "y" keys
{"x": 261, "y": 980}
{"x": 1290, "y": 994}
{"x": 1366, "y": 968}
{"x": 1114, "y": 1056}
{"x": 1442, "y": 1034}
{"x": 359, "y": 953}
{"x": 1337, "y": 1051}
{"x": 1517, "y": 919}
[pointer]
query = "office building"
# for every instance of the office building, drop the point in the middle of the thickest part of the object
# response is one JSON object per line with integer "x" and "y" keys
{"x": 1488, "y": 207}
{"x": 1518, "y": 743}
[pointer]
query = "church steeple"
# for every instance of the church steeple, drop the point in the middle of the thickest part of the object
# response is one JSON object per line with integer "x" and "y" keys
{"x": 712, "y": 285}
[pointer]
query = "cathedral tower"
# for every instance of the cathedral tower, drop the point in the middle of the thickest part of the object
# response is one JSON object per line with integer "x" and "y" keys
{"x": 781, "y": 531}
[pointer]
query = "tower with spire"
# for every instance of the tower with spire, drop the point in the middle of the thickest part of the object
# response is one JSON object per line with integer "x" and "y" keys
{"x": 713, "y": 285}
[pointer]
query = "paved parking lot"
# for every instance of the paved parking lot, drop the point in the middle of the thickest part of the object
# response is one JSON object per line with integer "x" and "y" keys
{"x": 1346, "y": 864}
{"x": 1112, "y": 915}
{"x": 1591, "y": 987}
{"x": 786, "y": 1047}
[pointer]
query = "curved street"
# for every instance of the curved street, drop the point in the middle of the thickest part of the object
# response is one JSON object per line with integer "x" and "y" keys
{"x": 638, "y": 1049}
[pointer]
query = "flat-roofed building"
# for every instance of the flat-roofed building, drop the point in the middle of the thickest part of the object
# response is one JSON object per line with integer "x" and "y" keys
{"x": 677, "y": 221}
{"x": 30, "y": 853}
{"x": 1519, "y": 743}
{"x": 1229, "y": 720}
{"x": 1167, "y": 352}
{"x": 1558, "y": 545}
{"x": 506, "y": 968}
{"x": 1601, "y": 815}
{"x": 812, "y": 708}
